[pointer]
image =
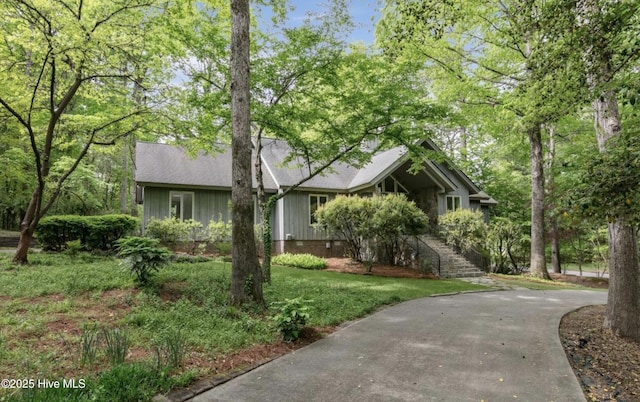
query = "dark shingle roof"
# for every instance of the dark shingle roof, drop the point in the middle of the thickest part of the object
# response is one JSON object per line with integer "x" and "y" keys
{"x": 164, "y": 164}
{"x": 170, "y": 165}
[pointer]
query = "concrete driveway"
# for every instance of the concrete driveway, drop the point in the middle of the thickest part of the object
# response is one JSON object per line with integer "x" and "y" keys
{"x": 489, "y": 346}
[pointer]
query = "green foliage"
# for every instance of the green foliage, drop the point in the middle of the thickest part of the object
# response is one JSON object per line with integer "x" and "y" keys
{"x": 81, "y": 192}
{"x": 608, "y": 189}
{"x": 116, "y": 344}
{"x": 170, "y": 231}
{"x": 292, "y": 315}
{"x": 73, "y": 247}
{"x": 190, "y": 233}
{"x": 344, "y": 217}
{"x": 94, "y": 232}
{"x": 170, "y": 347}
{"x": 394, "y": 217}
{"x": 131, "y": 382}
{"x": 371, "y": 224}
{"x": 88, "y": 345}
{"x": 509, "y": 246}
{"x": 219, "y": 235}
{"x": 304, "y": 261}
{"x": 463, "y": 229}
{"x": 142, "y": 256}
{"x": 52, "y": 273}
{"x": 219, "y": 231}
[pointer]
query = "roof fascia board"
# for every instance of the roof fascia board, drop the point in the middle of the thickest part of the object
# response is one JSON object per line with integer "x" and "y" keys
{"x": 453, "y": 168}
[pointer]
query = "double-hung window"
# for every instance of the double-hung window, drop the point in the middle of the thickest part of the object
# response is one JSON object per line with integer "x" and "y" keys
{"x": 315, "y": 202}
{"x": 181, "y": 205}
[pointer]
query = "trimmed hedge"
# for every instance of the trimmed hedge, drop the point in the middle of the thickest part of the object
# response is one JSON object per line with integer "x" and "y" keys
{"x": 94, "y": 232}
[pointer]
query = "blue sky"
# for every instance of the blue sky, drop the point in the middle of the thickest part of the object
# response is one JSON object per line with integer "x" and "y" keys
{"x": 362, "y": 12}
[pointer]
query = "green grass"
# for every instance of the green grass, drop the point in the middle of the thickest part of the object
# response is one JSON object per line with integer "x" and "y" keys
{"x": 587, "y": 267}
{"x": 53, "y": 273}
{"x": 189, "y": 299}
{"x": 535, "y": 283}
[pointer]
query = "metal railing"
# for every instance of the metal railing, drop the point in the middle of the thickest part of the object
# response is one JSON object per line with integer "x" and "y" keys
{"x": 478, "y": 259}
{"x": 423, "y": 256}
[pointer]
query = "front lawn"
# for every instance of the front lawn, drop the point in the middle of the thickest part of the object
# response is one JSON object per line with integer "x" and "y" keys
{"x": 57, "y": 313}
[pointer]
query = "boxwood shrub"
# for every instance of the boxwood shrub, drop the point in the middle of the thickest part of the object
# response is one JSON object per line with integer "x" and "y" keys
{"x": 94, "y": 232}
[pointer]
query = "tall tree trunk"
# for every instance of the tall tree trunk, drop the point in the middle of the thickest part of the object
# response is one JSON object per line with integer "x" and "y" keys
{"x": 246, "y": 275}
{"x": 538, "y": 266}
{"x": 623, "y": 303}
{"x": 550, "y": 186}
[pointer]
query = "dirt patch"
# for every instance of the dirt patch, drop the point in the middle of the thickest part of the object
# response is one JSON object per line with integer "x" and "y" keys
{"x": 347, "y": 265}
{"x": 606, "y": 365}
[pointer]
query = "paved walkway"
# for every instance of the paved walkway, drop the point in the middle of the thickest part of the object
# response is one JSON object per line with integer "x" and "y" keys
{"x": 489, "y": 346}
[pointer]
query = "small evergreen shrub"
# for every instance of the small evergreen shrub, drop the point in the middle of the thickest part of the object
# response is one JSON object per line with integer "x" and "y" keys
{"x": 304, "y": 261}
{"x": 142, "y": 256}
{"x": 292, "y": 315}
{"x": 73, "y": 248}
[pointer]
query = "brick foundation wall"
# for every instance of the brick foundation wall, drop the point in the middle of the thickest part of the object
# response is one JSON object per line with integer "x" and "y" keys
{"x": 316, "y": 247}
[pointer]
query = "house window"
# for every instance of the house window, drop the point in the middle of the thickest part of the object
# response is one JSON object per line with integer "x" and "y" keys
{"x": 315, "y": 202}
{"x": 391, "y": 186}
{"x": 453, "y": 202}
{"x": 181, "y": 205}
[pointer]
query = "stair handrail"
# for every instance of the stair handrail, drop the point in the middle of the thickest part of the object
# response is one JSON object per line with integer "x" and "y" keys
{"x": 432, "y": 254}
{"x": 474, "y": 256}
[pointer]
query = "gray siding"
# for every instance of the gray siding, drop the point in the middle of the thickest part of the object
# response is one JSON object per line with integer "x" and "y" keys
{"x": 461, "y": 191}
{"x": 295, "y": 211}
{"x": 208, "y": 204}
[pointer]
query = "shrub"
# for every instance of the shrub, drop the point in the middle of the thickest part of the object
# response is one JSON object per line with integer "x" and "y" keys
{"x": 463, "y": 229}
{"x": 344, "y": 217}
{"x": 304, "y": 261}
{"x": 393, "y": 218}
{"x": 219, "y": 235}
{"x": 509, "y": 246}
{"x": 94, "y": 232}
{"x": 291, "y": 317}
{"x": 142, "y": 256}
{"x": 169, "y": 230}
{"x": 73, "y": 248}
{"x": 173, "y": 232}
{"x": 372, "y": 228}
